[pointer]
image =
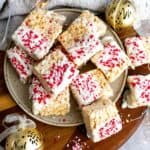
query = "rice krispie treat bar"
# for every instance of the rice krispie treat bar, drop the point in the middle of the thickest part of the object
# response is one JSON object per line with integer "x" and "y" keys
{"x": 55, "y": 71}
{"x": 21, "y": 62}
{"x": 112, "y": 60}
{"x": 46, "y": 104}
{"x": 137, "y": 50}
{"x": 81, "y": 39}
{"x": 101, "y": 119}
{"x": 90, "y": 86}
{"x": 139, "y": 94}
{"x": 38, "y": 32}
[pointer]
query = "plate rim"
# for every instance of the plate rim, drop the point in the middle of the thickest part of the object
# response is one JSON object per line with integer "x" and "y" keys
{"x": 13, "y": 95}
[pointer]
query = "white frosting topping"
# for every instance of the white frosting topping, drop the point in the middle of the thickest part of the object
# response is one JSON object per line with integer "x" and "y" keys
{"x": 106, "y": 129}
{"x": 21, "y": 62}
{"x": 84, "y": 49}
{"x": 111, "y": 57}
{"x": 86, "y": 88}
{"x": 140, "y": 88}
{"x": 59, "y": 74}
{"x": 136, "y": 51}
{"x": 40, "y": 97}
{"x": 36, "y": 44}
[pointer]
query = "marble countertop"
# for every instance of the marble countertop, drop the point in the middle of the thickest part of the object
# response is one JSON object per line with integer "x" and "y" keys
{"x": 140, "y": 140}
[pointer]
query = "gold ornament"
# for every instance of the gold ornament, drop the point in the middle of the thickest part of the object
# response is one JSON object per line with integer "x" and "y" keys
{"x": 120, "y": 14}
{"x": 22, "y": 135}
{"x": 24, "y": 139}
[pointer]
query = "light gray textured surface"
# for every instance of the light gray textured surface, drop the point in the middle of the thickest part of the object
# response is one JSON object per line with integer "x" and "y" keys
{"x": 20, "y": 7}
{"x": 141, "y": 138}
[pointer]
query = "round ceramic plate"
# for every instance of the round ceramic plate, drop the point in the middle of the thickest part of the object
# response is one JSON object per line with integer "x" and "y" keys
{"x": 19, "y": 91}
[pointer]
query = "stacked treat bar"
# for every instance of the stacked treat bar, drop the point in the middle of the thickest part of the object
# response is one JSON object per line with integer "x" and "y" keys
{"x": 90, "y": 86}
{"x": 34, "y": 38}
{"x": 112, "y": 60}
{"x": 56, "y": 68}
{"x": 81, "y": 39}
{"x": 38, "y": 32}
{"x": 138, "y": 50}
{"x": 46, "y": 103}
{"x": 139, "y": 94}
{"x": 101, "y": 119}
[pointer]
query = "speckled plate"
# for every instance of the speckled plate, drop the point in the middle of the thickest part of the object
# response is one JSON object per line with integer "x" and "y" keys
{"x": 19, "y": 91}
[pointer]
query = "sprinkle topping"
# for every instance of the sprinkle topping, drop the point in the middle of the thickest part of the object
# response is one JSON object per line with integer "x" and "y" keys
{"x": 110, "y": 128}
{"x": 111, "y": 57}
{"x": 58, "y": 73}
{"x": 87, "y": 87}
{"x": 19, "y": 67}
{"x": 21, "y": 62}
{"x": 31, "y": 40}
{"x": 47, "y": 22}
{"x": 85, "y": 48}
{"x": 142, "y": 88}
{"x": 136, "y": 51}
{"x": 38, "y": 93}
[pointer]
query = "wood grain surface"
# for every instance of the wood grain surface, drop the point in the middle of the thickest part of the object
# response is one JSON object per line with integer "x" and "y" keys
{"x": 58, "y": 138}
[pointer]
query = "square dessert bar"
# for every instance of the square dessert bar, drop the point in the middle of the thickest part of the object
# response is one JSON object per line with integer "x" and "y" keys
{"x": 137, "y": 51}
{"x": 90, "y": 86}
{"x": 45, "y": 104}
{"x": 139, "y": 94}
{"x": 112, "y": 60}
{"x": 21, "y": 62}
{"x": 101, "y": 119}
{"x": 38, "y": 32}
{"x": 81, "y": 39}
{"x": 55, "y": 71}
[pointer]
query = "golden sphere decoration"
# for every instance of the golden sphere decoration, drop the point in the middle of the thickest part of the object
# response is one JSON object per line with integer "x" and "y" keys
{"x": 120, "y": 14}
{"x": 25, "y": 139}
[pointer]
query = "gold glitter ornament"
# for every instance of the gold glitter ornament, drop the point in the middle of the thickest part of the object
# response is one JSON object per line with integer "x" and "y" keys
{"x": 120, "y": 14}
{"x": 24, "y": 139}
{"x": 22, "y": 135}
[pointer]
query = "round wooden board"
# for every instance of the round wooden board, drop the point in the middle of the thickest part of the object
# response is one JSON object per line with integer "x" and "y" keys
{"x": 20, "y": 94}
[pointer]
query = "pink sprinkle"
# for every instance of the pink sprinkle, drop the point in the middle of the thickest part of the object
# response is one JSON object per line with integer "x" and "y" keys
{"x": 91, "y": 36}
{"x": 109, "y": 128}
{"x": 77, "y": 146}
